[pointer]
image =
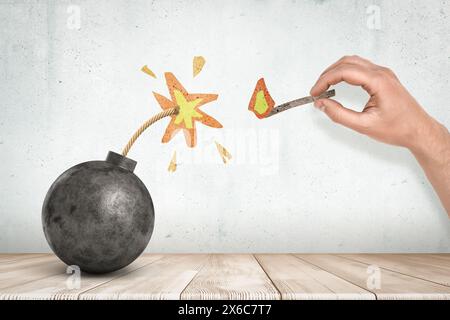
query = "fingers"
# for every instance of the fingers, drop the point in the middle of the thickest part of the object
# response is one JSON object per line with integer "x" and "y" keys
{"x": 352, "y": 70}
{"x": 350, "y": 73}
{"x": 339, "y": 114}
{"x": 349, "y": 60}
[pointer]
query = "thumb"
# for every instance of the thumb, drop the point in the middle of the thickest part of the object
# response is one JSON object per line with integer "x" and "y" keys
{"x": 340, "y": 114}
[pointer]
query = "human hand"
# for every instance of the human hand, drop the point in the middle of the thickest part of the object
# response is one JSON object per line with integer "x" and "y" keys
{"x": 391, "y": 115}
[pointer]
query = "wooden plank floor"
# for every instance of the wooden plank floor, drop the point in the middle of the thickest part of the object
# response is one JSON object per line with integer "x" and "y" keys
{"x": 234, "y": 276}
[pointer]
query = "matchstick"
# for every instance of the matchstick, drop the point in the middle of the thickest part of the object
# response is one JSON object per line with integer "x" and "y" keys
{"x": 300, "y": 102}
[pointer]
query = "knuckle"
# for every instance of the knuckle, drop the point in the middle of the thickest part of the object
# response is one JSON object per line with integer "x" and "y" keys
{"x": 349, "y": 58}
{"x": 345, "y": 59}
{"x": 343, "y": 67}
{"x": 384, "y": 77}
{"x": 387, "y": 72}
{"x": 379, "y": 77}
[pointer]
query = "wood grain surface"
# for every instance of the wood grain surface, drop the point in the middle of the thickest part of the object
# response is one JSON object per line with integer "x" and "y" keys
{"x": 234, "y": 276}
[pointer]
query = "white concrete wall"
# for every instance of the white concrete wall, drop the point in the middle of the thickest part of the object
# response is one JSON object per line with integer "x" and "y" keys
{"x": 297, "y": 181}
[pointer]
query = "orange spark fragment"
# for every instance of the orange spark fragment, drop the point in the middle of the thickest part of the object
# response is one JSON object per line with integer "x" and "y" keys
{"x": 261, "y": 102}
{"x": 173, "y": 163}
{"x": 226, "y": 156}
{"x": 197, "y": 65}
{"x": 148, "y": 71}
{"x": 189, "y": 112}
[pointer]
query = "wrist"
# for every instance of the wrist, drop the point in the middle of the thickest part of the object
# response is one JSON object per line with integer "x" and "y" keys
{"x": 431, "y": 141}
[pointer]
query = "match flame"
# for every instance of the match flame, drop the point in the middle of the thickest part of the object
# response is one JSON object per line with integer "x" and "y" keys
{"x": 261, "y": 102}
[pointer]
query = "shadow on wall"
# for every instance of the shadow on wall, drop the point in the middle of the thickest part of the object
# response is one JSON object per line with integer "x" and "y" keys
{"x": 355, "y": 98}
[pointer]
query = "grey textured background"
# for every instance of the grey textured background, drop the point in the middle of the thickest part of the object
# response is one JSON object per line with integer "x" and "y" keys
{"x": 297, "y": 182}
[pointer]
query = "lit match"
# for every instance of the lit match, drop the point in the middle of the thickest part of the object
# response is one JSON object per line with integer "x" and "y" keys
{"x": 263, "y": 106}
